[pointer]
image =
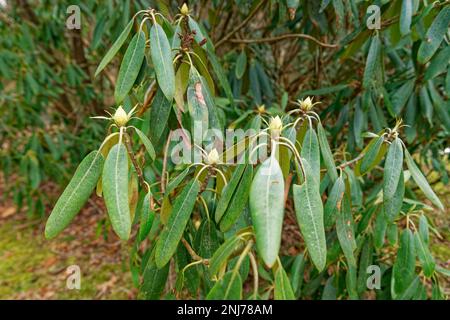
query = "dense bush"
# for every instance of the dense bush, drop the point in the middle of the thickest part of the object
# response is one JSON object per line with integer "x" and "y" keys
{"x": 316, "y": 112}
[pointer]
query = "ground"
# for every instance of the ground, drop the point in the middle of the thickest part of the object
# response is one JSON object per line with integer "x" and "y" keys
{"x": 32, "y": 267}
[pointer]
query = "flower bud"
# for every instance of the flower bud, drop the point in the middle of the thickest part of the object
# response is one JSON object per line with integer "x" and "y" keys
{"x": 120, "y": 117}
{"x": 213, "y": 157}
{"x": 275, "y": 125}
{"x": 184, "y": 9}
{"x": 306, "y": 104}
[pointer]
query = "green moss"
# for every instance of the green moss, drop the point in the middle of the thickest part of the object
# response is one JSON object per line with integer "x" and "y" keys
{"x": 30, "y": 269}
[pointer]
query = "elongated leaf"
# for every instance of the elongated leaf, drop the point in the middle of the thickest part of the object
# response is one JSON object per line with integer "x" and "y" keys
{"x": 379, "y": 231}
{"x": 438, "y": 64}
{"x": 159, "y": 116}
{"x": 410, "y": 290}
{"x": 434, "y": 35}
{"x": 345, "y": 231}
{"x": 424, "y": 229}
{"x": 154, "y": 280}
{"x": 296, "y": 273}
{"x": 222, "y": 254}
{"x": 326, "y": 153}
{"x": 403, "y": 271}
{"x": 309, "y": 212}
{"x": 241, "y": 65}
{"x": 406, "y": 17}
{"x": 208, "y": 239}
{"x": 147, "y": 144}
{"x": 173, "y": 230}
{"x": 372, "y": 62}
{"x": 283, "y": 289}
{"x": 334, "y": 202}
{"x": 198, "y": 109}
{"x": 114, "y": 48}
{"x": 372, "y": 155}
{"x": 238, "y": 201}
{"x": 424, "y": 254}
{"x": 267, "y": 209}
{"x": 162, "y": 60}
{"x": 422, "y": 181}
{"x": 365, "y": 260}
{"x": 131, "y": 64}
{"x": 115, "y": 190}
{"x": 227, "y": 288}
{"x": 75, "y": 194}
{"x": 393, "y": 205}
{"x": 228, "y": 192}
{"x": 146, "y": 217}
{"x": 310, "y": 151}
{"x": 392, "y": 168}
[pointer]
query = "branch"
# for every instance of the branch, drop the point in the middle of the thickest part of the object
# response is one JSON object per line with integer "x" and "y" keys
{"x": 348, "y": 163}
{"x": 284, "y": 37}
{"x": 239, "y": 26}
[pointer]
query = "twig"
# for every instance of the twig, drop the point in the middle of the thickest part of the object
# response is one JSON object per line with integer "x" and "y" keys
{"x": 284, "y": 37}
{"x": 255, "y": 274}
{"x": 192, "y": 253}
{"x": 239, "y": 26}
{"x": 348, "y": 163}
{"x": 135, "y": 163}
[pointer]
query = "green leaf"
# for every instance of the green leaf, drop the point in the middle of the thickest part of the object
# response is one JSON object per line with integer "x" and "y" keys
{"x": 241, "y": 65}
{"x": 373, "y": 155}
{"x": 326, "y": 153}
{"x": 283, "y": 289}
{"x": 392, "y": 168}
{"x": 147, "y": 144}
{"x": 179, "y": 217}
{"x": 421, "y": 181}
{"x": 392, "y": 206}
{"x": 379, "y": 231}
{"x": 75, "y": 194}
{"x": 198, "y": 109}
{"x": 238, "y": 201}
{"x": 438, "y": 64}
{"x": 309, "y": 212}
{"x": 154, "y": 280}
{"x": 159, "y": 116}
{"x": 424, "y": 254}
{"x": 115, "y": 190}
{"x": 334, "y": 202}
{"x": 406, "y": 17}
{"x": 310, "y": 151}
{"x": 372, "y": 62}
{"x": 345, "y": 231}
{"x": 162, "y": 60}
{"x": 424, "y": 229}
{"x": 401, "y": 96}
{"x": 267, "y": 209}
{"x": 115, "y": 47}
{"x": 410, "y": 290}
{"x": 227, "y": 288}
{"x": 365, "y": 260}
{"x": 434, "y": 36}
{"x": 404, "y": 265}
{"x": 131, "y": 64}
{"x": 228, "y": 192}
{"x": 222, "y": 254}
{"x": 146, "y": 217}
{"x": 296, "y": 274}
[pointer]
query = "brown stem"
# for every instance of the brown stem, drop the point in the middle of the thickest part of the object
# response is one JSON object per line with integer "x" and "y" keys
{"x": 135, "y": 163}
{"x": 348, "y": 163}
{"x": 192, "y": 253}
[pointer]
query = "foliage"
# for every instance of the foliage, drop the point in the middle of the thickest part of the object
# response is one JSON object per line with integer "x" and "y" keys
{"x": 341, "y": 161}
